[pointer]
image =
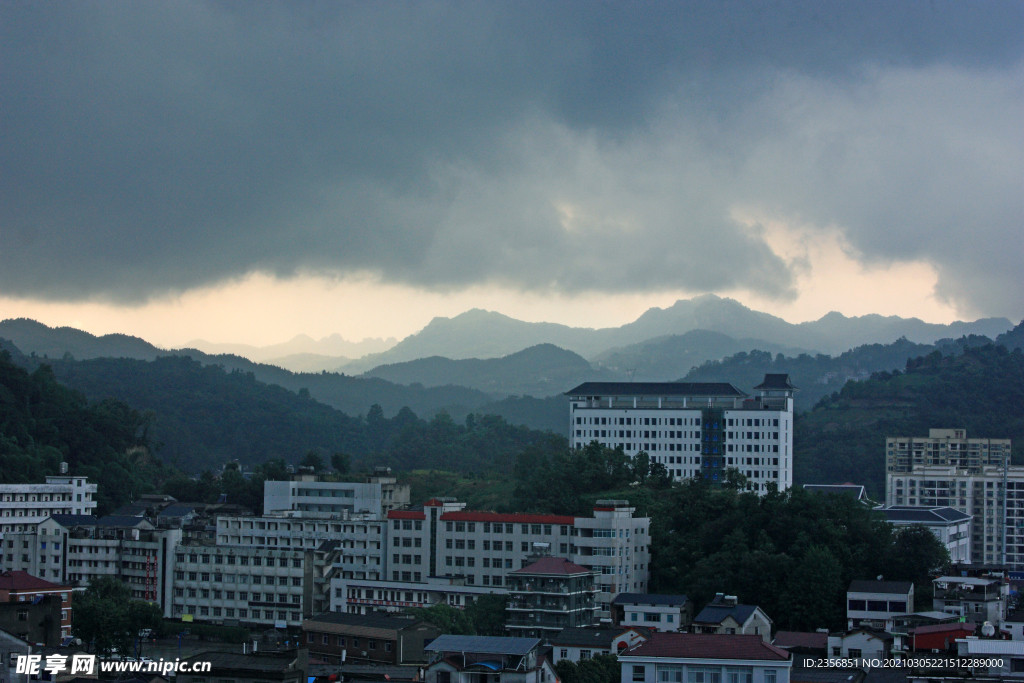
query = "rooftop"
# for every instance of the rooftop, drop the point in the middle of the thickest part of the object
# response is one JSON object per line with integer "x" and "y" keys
{"x": 724, "y": 389}
{"x": 892, "y": 587}
{"x": 553, "y": 565}
{"x": 589, "y": 637}
{"x": 483, "y": 645}
{"x": 941, "y": 628}
{"x": 789, "y": 639}
{"x": 263, "y": 661}
{"x": 23, "y": 581}
{"x": 707, "y": 646}
{"x": 123, "y": 520}
{"x": 922, "y": 515}
{"x": 377, "y": 621}
{"x": 75, "y": 520}
{"x": 855, "y": 490}
{"x": 776, "y": 381}
{"x": 649, "y": 599}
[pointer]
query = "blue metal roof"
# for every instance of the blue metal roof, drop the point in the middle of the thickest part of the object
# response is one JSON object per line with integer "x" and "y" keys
{"x": 483, "y": 645}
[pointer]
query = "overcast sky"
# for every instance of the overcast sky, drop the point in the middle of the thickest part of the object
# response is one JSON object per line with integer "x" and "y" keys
{"x": 246, "y": 171}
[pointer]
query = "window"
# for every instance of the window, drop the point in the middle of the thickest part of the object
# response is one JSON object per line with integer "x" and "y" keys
{"x": 854, "y": 653}
{"x": 584, "y": 654}
{"x": 563, "y": 653}
{"x": 639, "y": 672}
{"x": 769, "y": 674}
{"x": 743, "y": 674}
{"x": 697, "y": 674}
{"x": 670, "y": 674}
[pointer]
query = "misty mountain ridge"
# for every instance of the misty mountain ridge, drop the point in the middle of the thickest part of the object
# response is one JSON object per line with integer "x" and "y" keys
{"x": 542, "y": 370}
{"x": 335, "y": 350}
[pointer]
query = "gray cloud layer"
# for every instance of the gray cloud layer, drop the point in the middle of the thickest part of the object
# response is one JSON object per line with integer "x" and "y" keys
{"x": 154, "y": 147}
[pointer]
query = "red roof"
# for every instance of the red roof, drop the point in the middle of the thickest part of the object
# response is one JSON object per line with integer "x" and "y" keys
{"x": 513, "y": 518}
{"x": 23, "y": 581}
{"x": 553, "y": 565}
{"x": 406, "y": 514}
{"x": 940, "y": 628}
{"x": 801, "y": 639}
{"x": 707, "y": 646}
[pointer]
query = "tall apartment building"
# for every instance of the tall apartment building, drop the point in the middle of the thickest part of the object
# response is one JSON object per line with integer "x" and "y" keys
{"x": 973, "y": 476}
{"x": 443, "y": 552}
{"x": 693, "y": 429}
{"x": 945, "y": 447}
{"x": 548, "y": 595}
{"x": 23, "y": 506}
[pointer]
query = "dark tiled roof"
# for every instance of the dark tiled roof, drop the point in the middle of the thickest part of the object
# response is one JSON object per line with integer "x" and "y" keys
{"x": 74, "y": 520}
{"x": 923, "y": 515}
{"x": 716, "y": 614}
{"x": 772, "y": 381}
{"x": 649, "y": 599}
{"x": 483, "y": 645}
{"x": 589, "y": 637}
{"x": 377, "y": 621}
{"x": 656, "y": 389}
{"x": 801, "y": 639}
{"x": 553, "y": 565}
{"x": 132, "y": 510}
{"x": 706, "y": 646}
{"x": 177, "y": 510}
{"x": 855, "y": 490}
{"x": 120, "y": 520}
{"x": 893, "y": 587}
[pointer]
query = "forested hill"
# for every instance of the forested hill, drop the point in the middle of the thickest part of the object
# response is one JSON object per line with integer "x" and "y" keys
{"x": 820, "y": 375}
{"x": 43, "y": 423}
{"x": 843, "y": 437}
{"x": 199, "y": 417}
{"x": 352, "y": 395}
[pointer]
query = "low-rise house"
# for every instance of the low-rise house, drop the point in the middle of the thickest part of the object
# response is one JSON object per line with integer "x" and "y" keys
{"x": 938, "y": 637}
{"x": 861, "y": 643}
{"x": 976, "y": 599}
{"x": 484, "y": 659}
{"x": 871, "y": 603}
{"x": 727, "y": 616}
{"x": 336, "y": 637}
{"x": 652, "y": 610}
{"x": 21, "y": 587}
{"x": 1005, "y": 658}
{"x": 576, "y": 644}
{"x": 703, "y": 658}
{"x": 798, "y": 642}
{"x": 950, "y": 526}
{"x": 36, "y": 621}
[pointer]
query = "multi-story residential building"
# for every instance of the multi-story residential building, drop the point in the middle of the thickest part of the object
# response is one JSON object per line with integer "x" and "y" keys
{"x": 725, "y": 615}
{"x": 21, "y": 588}
{"x": 74, "y": 549}
{"x": 993, "y": 496}
{"x": 549, "y": 595}
{"x": 11, "y": 647}
{"x": 232, "y": 585}
{"x": 653, "y": 611}
{"x": 872, "y": 603}
{"x": 697, "y": 658}
{"x": 944, "y": 447}
{"x": 950, "y": 526}
{"x": 23, "y": 506}
{"x": 335, "y": 637}
{"x": 693, "y": 429}
{"x": 444, "y": 551}
{"x": 976, "y": 599}
{"x": 306, "y": 493}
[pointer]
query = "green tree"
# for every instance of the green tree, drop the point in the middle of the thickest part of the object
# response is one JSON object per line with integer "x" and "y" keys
{"x": 313, "y": 461}
{"x": 107, "y": 617}
{"x": 341, "y": 462}
{"x": 449, "y": 620}
{"x": 487, "y": 613}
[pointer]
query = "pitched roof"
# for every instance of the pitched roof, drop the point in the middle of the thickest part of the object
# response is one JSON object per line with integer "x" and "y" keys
{"x": 553, "y": 565}
{"x": 589, "y": 636}
{"x": 122, "y": 520}
{"x": 707, "y": 646}
{"x": 649, "y": 599}
{"x": 177, "y": 510}
{"x": 23, "y": 581}
{"x": 855, "y": 490}
{"x": 132, "y": 510}
{"x": 776, "y": 381}
{"x": 801, "y": 639}
{"x": 922, "y": 515}
{"x": 940, "y": 628}
{"x": 716, "y": 614}
{"x": 482, "y": 645}
{"x": 74, "y": 520}
{"x": 656, "y": 389}
{"x": 893, "y": 587}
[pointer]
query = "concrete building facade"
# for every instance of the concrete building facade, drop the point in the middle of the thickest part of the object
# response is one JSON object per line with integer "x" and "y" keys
{"x": 693, "y": 429}
{"x": 549, "y": 595}
{"x": 950, "y": 526}
{"x": 23, "y": 506}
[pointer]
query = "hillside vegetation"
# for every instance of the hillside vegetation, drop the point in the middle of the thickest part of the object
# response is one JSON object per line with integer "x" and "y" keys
{"x": 843, "y": 437}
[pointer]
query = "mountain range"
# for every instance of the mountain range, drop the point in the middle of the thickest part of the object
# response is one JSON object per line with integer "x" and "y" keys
{"x": 486, "y": 334}
{"x": 334, "y": 349}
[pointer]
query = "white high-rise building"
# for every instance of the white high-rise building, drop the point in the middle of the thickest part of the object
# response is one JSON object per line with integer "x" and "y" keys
{"x": 693, "y": 429}
{"x": 24, "y": 506}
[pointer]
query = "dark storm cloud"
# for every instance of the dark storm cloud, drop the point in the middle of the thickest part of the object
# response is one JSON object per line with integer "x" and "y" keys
{"x": 154, "y": 147}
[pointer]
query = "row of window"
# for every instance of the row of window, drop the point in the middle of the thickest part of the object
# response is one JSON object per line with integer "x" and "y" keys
{"x": 241, "y": 613}
{"x": 342, "y": 641}
{"x": 243, "y": 560}
{"x": 242, "y": 595}
{"x": 240, "y": 578}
